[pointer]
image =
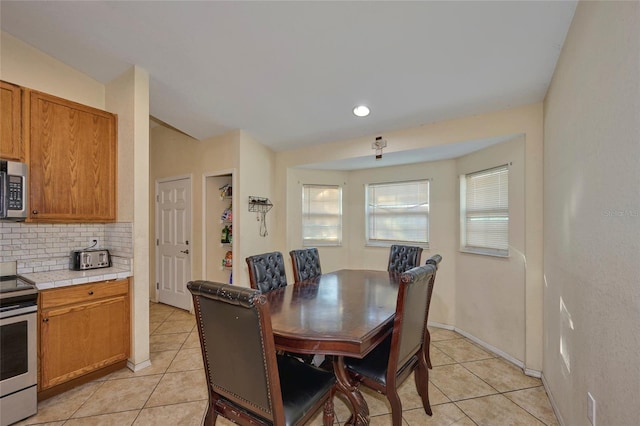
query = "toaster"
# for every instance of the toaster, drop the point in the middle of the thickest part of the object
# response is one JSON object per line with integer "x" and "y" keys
{"x": 89, "y": 259}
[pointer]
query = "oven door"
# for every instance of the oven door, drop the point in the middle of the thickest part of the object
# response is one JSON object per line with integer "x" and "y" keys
{"x": 18, "y": 350}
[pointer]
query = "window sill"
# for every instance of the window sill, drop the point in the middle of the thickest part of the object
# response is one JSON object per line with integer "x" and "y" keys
{"x": 486, "y": 252}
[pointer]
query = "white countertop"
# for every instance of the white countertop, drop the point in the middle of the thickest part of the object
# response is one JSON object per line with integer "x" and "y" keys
{"x": 63, "y": 278}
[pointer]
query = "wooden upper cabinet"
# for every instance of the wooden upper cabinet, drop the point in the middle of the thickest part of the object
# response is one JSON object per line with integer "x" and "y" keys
{"x": 72, "y": 161}
{"x": 11, "y": 144}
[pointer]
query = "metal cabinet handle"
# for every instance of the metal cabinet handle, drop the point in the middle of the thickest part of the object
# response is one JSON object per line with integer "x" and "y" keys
{"x": 34, "y": 211}
{"x": 185, "y": 251}
{"x": 45, "y": 320}
{"x": 90, "y": 292}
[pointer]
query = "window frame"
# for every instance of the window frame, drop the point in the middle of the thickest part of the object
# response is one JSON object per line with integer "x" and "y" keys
{"x": 498, "y": 212}
{"x": 381, "y": 242}
{"x": 320, "y": 242}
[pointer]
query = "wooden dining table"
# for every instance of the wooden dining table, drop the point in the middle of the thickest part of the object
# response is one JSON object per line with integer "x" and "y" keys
{"x": 338, "y": 314}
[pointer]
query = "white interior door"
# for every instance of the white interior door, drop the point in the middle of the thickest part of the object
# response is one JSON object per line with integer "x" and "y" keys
{"x": 173, "y": 266}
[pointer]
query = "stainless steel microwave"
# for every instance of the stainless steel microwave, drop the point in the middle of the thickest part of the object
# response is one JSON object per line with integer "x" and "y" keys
{"x": 13, "y": 190}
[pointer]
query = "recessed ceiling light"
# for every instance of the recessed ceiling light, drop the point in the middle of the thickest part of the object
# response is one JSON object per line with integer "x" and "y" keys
{"x": 361, "y": 111}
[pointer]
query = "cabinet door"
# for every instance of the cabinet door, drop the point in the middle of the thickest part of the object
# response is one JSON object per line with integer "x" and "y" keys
{"x": 11, "y": 146}
{"x": 72, "y": 161}
{"x": 78, "y": 339}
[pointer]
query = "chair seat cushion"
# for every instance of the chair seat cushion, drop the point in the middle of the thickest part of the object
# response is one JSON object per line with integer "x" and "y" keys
{"x": 302, "y": 386}
{"x": 374, "y": 365}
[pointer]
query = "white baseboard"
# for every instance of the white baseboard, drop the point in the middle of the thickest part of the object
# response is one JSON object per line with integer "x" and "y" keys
{"x": 490, "y": 348}
{"x": 137, "y": 367}
{"x": 552, "y": 401}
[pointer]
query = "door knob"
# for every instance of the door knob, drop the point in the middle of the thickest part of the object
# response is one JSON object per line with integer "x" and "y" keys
{"x": 185, "y": 251}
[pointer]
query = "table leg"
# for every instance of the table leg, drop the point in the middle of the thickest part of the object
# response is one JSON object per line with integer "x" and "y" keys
{"x": 359, "y": 407}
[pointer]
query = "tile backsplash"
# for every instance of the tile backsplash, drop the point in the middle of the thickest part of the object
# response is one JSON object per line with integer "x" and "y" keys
{"x": 46, "y": 247}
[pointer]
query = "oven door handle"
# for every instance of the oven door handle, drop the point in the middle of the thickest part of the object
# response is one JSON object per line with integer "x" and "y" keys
{"x": 14, "y": 310}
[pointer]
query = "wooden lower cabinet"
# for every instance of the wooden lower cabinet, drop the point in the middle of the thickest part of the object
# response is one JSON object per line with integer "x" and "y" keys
{"x": 83, "y": 329}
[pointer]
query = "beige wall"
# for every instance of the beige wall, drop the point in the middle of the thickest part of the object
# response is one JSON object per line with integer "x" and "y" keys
{"x": 26, "y": 66}
{"x": 128, "y": 97}
{"x": 491, "y": 302}
{"x": 527, "y": 121}
{"x": 176, "y": 154}
{"x": 592, "y": 217}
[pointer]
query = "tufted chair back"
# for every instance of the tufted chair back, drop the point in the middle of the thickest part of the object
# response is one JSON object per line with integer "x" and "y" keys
{"x": 306, "y": 263}
{"x": 266, "y": 271}
{"x": 395, "y": 358}
{"x": 247, "y": 381}
{"x": 403, "y": 258}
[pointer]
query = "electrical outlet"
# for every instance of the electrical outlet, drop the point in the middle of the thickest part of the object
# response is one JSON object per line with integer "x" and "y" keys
{"x": 94, "y": 242}
{"x": 591, "y": 408}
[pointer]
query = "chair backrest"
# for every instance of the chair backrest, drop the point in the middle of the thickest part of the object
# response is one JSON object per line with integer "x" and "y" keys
{"x": 238, "y": 347}
{"x": 306, "y": 263}
{"x": 402, "y": 258}
{"x": 435, "y": 261}
{"x": 411, "y": 316}
{"x": 266, "y": 271}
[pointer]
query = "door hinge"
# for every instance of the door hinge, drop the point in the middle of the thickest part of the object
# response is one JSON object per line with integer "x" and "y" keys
{"x": 157, "y": 198}
{"x": 157, "y": 286}
{"x": 157, "y": 241}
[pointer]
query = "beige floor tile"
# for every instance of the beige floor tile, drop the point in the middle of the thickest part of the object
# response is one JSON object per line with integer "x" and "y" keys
{"x": 124, "y": 418}
{"x": 60, "y": 423}
{"x": 160, "y": 361}
{"x": 443, "y": 415}
{"x": 438, "y": 357}
{"x": 193, "y": 341}
{"x": 535, "y": 401}
{"x": 188, "y": 413}
{"x": 153, "y": 326}
{"x": 342, "y": 408}
{"x": 221, "y": 421}
{"x": 462, "y": 350}
{"x": 457, "y": 383}
{"x": 411, "y": 399}
{"x": 187, "y": 359}
{"x": 61, "y": 407}
{"x": 378, "y": 403}
{"x": 496, "y": 410}
{"x": 185, "y": 386}
{"x": 439, "y": 334}
{"x": 179, "y": 326}
{"x": 166, "y": 342}
{"x": 501, "y": 374}
{"x": 119, "y": 395}
{"x": 181, "y": 315}
{"x": 159, "y": 315}
{"x": 382, "y": 420}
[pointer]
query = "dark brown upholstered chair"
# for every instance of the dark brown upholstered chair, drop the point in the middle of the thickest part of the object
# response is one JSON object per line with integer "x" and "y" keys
{"x": 266, "y": 271}
{"x": 403, "y": 258}
{"x": 435, "y": 261}
{"x": 394, "y": 359}
{"x": 306, "y": 263}
{"x": 248, "y": 383}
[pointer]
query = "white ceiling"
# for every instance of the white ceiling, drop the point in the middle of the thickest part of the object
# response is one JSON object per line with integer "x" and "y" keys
{"x": 290, "y": 73}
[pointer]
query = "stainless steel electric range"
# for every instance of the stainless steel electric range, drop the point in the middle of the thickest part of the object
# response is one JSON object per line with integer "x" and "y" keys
{"x": 18, "y": 349}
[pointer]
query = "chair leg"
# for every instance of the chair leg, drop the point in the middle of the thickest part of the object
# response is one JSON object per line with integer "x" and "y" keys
{"x": 421, "y": 375}
{"x": 210, "y": 417}
{"x": 396, "y": 407}
{"x": 328, "y": 413}
{"x": 427, "y": 350}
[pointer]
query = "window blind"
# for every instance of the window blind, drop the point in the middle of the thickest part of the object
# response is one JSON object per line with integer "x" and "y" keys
{"x": 485, "y": 211}
{"x": 321, "y": 215}
{"x": 398, "y": 212}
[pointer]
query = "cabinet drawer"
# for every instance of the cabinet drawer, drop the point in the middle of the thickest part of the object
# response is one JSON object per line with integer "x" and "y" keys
{"x": 82, "y": 293}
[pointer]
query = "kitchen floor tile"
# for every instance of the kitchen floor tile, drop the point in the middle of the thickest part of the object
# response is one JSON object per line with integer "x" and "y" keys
{"x": 535, "y": 401}
{"x": 173, "y": 389}
{"x": 496, "y": 410}
{"x": 119, "y": 395}
{"x": 188, "y": 413}
{"x": 501, "y": 374}
{"x": 457, "y": 383}
{"x": 124, "y": 418}
{"x": 185, "y": 386}
{"x": 462, "y": 350}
